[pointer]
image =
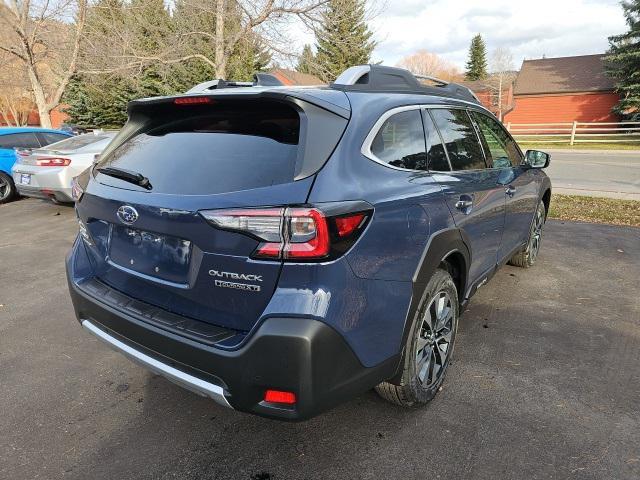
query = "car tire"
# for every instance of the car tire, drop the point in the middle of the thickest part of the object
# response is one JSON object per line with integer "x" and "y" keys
{"x": 8, "y": 189}
{"x": 429, "y": 345}
{"x": 529, "y": 254}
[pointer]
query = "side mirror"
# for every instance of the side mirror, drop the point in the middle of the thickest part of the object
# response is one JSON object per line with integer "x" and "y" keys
{"x": 537, "y": 159}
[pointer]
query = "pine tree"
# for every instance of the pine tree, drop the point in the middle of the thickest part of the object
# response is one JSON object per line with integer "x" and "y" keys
{"x": 624, "y": 61}
{"x": 344, "y": 39}
{"x": 306, "y": 62}
{"x": 477, "y": 63}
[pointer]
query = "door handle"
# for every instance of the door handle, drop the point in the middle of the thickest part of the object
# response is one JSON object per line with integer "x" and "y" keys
{"x": 510, "y": 190}
{"x": 464, "y": 204}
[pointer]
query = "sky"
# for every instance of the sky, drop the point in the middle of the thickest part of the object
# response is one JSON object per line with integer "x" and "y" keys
{"x": 530, "y": 29}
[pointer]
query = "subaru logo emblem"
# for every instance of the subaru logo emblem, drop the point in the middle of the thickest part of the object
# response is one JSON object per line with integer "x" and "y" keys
{"x": 127, "y": 214}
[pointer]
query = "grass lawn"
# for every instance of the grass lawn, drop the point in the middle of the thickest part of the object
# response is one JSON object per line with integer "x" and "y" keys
{"x": 597, "y": 210}
{"x": 580, "y": 146}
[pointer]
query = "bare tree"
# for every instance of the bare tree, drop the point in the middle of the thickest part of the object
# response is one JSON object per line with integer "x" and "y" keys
{"x": 235, "y": 21}
{"x": 502, "y": 74}
{"x": 426, "y": 63}
{"x": 16, "y": 100}
{"x": 44, "y": 37}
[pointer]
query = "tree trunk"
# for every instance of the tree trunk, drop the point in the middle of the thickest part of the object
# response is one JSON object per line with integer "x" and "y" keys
{"x": 40, "y": 98}
{"x": 500, "y": 99}
{"x": 221, "y": 62}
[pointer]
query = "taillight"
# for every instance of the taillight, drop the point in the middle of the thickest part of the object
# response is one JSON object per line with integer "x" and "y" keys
{"x": 308, "y": 234}
{"x": 294, "y": 233}
{"x": 52, "y": 161}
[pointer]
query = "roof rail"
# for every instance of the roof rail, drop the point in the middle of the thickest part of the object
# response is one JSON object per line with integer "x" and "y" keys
{"x": 379, "y": 78}
{"x": 259, "y": 80}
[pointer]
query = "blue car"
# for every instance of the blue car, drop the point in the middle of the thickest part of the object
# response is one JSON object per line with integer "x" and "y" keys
{"x": 12, "y": 138}
{"x": 281, "y": 250}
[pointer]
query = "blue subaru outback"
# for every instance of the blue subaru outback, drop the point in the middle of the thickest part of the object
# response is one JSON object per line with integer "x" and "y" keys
{"x": 282, "y": 250}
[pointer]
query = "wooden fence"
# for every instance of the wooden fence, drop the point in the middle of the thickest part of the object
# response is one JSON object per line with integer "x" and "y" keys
{"x": 576, "y": 132}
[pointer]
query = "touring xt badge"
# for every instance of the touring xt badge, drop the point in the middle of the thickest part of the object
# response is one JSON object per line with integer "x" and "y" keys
{"x": 227, "y": 276}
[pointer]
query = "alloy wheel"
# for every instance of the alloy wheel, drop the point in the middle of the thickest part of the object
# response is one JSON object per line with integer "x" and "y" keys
{"x": 434, "y": 339}
{"x": 536, "y": 235}
{"x": 5, "y": 188}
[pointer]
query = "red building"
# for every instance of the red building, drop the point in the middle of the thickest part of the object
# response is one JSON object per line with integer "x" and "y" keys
{"x": 58, "y": 117}
{"x": 291, "y": 77}
{"x": 559, "y": 90}
{"x": 487, "y": 93}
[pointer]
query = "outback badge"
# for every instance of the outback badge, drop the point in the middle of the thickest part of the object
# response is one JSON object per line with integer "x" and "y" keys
{"x": 236, "y": 276}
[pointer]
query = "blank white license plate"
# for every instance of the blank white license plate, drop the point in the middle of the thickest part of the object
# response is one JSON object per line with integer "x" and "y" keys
{"x": 25, "y": 179}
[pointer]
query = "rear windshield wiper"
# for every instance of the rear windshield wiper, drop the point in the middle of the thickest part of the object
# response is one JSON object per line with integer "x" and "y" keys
{"x": 126, "y": 175}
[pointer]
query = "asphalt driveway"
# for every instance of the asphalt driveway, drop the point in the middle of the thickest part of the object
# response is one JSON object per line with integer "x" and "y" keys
{"x": 545, "y": 383}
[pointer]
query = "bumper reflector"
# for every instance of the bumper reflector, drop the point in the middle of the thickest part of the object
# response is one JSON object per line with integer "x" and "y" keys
{"x": 277, "y": 396}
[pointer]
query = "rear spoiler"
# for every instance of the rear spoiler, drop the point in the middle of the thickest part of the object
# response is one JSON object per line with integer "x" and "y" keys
{"x": 335, "y": 102}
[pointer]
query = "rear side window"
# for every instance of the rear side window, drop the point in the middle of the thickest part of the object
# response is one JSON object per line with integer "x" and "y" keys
{"x": 500, "y": 146}
{"x": 400, "y": 141}
{"x": 47, "y": 138}
{"x": 213, "y": 150}
{"x": 460, "y": 138}
{"x": 19, "y": 140}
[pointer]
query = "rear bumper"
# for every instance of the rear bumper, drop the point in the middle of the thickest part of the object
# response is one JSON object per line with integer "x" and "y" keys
{"x": 300, "y": 355}
{"x": 191, "y": 382}
{"x": 61, "y": 195}
{"x": 46, "y": 182}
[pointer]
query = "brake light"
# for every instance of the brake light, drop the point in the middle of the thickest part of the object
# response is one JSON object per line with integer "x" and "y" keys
{"x": 52, "y": 161}
{"x": 192, "y": 100}
{"x": 277, "y": 396}
{"x": 308, "y": 234}
{"x": 294, "y": 233}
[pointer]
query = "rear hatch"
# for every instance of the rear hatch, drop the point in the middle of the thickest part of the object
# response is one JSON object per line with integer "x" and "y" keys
{"x": 150, "y": 239}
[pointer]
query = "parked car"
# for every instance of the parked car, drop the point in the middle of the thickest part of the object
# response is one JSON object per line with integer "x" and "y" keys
{"x": 47, "y": 172}
{"x": 282, "y": 250}
{"x": 12, "y": 138}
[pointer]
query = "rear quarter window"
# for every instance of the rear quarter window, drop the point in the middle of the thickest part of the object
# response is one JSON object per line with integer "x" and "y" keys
{"x": 400, "y": 141}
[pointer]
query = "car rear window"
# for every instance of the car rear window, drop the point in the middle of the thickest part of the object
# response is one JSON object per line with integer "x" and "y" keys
{"x": 47, "y": 138}
{"x": 221, "y": 149}
{"x": 75, "y": 143}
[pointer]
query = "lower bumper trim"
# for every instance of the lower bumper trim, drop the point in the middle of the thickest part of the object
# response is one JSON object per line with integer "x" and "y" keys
{"x": 197, "y": 385}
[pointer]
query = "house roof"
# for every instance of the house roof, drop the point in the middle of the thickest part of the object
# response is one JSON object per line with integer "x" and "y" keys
{"x": 291, "y": 77}
{"x": 490, "y": 83}
{"x": 476, "y": 85}
{"x": 563, "y": 75}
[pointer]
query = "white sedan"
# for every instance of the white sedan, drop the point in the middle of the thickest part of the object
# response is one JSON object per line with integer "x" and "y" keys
{"x": 47, "y": 172}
